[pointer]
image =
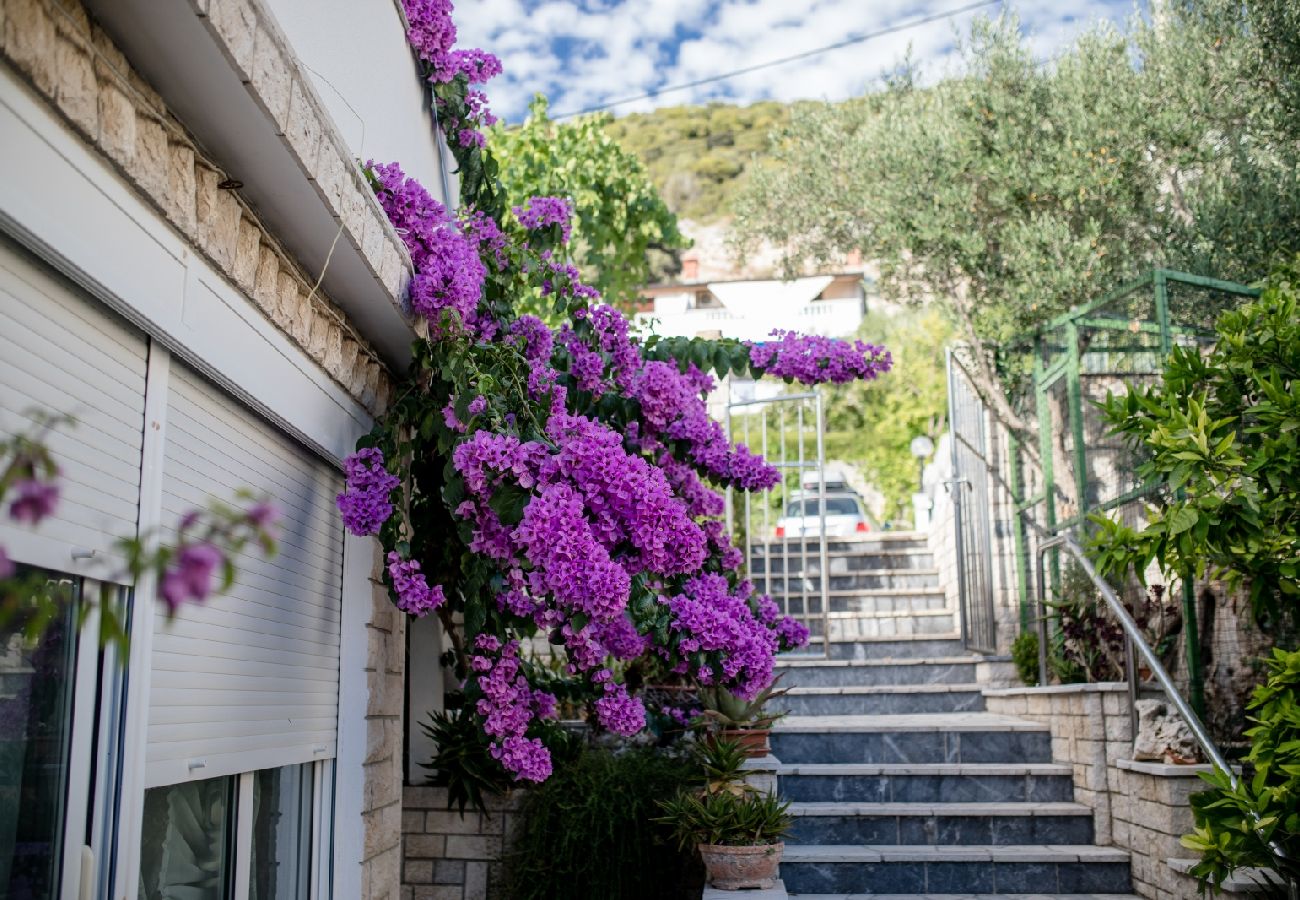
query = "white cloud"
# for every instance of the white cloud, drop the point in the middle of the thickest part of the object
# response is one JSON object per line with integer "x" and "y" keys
{"x": 583, "y": 53}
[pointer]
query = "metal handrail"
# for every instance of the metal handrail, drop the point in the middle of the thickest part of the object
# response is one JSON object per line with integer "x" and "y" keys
{"x": 1134, "y": 640}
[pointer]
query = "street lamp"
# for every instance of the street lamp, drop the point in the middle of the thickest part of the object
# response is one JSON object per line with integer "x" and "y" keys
{"x": 922, "y": 447}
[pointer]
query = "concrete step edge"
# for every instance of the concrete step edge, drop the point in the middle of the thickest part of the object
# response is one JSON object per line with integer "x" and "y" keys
{"x": 817, "y": 809}
{"x": 842, "y": 770}
{"x": 922, "y": 722}
{"x": 966, "y": 896}
{"x": 883, "y": 662}
{"x": 858, "y": 690}
{"x": 975, "y": 853}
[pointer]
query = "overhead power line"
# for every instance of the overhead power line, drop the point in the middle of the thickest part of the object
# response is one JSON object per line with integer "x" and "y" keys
{"x": 847, "y": 42}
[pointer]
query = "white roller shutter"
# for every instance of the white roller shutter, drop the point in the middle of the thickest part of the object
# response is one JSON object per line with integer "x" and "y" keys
{"x": 64, "y": 353}
{"x": 248, "y": 680}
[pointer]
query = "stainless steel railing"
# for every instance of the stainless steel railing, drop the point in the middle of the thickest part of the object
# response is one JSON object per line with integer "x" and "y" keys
{"x": 1135, "y": 643}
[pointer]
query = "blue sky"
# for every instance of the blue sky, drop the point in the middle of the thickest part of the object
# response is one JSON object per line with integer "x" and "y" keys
{"x": 582, "y": 53}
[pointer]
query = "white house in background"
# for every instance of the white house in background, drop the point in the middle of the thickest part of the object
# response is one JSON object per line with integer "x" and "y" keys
{"x": 749, "y": 310}
{"x": 193, "y": 265}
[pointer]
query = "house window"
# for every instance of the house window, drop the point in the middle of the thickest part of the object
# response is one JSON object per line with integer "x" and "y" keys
{"x": 282, "y": 834}
{"x": 60, "y": 727}
{"x": 36, "y": 686}
{"x": 268, "y": 829}
{"x": 188, "y": 842}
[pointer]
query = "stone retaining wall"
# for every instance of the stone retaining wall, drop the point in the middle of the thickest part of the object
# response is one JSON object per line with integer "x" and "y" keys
{"x": 447, "y": 856}
{"x": 1138, "y": 806}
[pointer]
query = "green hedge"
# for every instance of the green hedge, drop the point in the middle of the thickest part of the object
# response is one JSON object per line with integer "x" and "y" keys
{"x": 586, "y": 832}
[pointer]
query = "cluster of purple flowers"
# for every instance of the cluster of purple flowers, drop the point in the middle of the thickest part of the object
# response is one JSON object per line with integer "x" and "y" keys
{"x": 582, "y": 518}
{"x": 364, "y": 503}
{"x": 618, "y": 711}
{"x": 813, "y": 359}
{"x": 431, "y": 32}
{"x": 36, "y": 500}
{"x": 542, "y": 212}
{"x": 508, "y": 706}
{"x": 449, "y": 271}
{"x": 414, "y": 596}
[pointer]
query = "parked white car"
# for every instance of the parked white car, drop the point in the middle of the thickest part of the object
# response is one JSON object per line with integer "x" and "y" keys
{"x": 845, "y": 515}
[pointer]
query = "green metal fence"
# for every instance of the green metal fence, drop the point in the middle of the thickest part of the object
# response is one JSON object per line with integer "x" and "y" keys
{"x": 1075, "y": 468}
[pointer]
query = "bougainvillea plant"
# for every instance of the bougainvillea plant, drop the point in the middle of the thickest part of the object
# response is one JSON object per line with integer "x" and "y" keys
{"x": 563, "y": 483}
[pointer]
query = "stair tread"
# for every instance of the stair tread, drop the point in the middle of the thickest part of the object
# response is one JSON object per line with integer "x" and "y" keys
{"x": 966, "y": 896}
{"x": 1016, "y": 853}
{"x": 939, "y": 809}
{"x": 850, "y": 769}
{"x": 819, "y": 662}
{"x": 954, "y": 721}
{"x": 924, "y": 591}
{"x": 931, "y": 688}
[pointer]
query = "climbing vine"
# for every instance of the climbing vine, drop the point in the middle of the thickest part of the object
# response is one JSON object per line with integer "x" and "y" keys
{"x": 530, "y": 481}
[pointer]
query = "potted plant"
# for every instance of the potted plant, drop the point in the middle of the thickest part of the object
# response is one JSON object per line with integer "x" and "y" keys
{"x": 738, "y": 834}
{"x": 744, "y": 721}
{"x": 737, "y": 829}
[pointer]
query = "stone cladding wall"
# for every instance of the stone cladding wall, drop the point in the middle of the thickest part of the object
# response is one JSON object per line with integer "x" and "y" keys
{"x": 72, "y": 62}
{"x": 1138, "y": 806}
{"x": 452, "y": 857}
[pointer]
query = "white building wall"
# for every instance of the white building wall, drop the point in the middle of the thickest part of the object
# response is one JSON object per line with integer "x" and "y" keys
{"x": 364, "y": 72}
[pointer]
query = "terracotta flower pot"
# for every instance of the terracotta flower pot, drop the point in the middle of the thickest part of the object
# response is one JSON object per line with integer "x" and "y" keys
{"x": 752, "y": 740}
{"x": 734, "y": 868}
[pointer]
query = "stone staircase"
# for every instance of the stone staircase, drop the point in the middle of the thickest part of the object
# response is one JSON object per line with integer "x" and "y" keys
{"x": 901, "y": 784}
{"x": 880, "y": 585}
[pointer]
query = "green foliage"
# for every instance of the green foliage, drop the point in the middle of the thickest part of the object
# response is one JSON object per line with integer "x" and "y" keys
{"x": 1235, "y": 826}
{"x": 742, "y": 819}
{"x": 618, "y": 215}
{"x": 727, "y": 710}
{"x": 1016, "y": 190}
{"x": 871, "y": 424}
{"x": 699, "y": 157}
{"x": 587, "y": 832}
{"x": 1024, "y": 654}
{"x": 721, "y": 765}
{"x": 1221, "y": 433}
{"x": 462, "y": 762}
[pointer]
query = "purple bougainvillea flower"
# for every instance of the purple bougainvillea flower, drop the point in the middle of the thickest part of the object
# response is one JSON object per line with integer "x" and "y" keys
{"x": 35, "y": 501}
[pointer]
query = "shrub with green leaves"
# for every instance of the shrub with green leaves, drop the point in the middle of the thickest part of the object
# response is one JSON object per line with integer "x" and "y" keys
{"x": 1024, "y": 654}
{"x": 1221, "y": 433}
{"x": 587, "y": 832}
{"x": 1257, "y": 823}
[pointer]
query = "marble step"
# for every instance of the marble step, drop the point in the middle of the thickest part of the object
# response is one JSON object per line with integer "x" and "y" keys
{"x": 900, "y": 561}
{"x": 908, "y": 646}
{"x": 911, "y": 870}
{"x": 960, "y": 896}
{"x": 846, "y": 672}
{"x": 968, "y": 737}
{"x": 926, "y": 782}
{"x": 870, "y": 542}
{"x": 893, "y": 699}
{"x": 850, "y": 626}
{"x": 897, "y": 580}
{"x": 991, "y": 824}
{"x": 864, "y": 579}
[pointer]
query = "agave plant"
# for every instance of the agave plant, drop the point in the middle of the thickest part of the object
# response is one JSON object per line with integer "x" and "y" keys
{"x": 732, "y": 712}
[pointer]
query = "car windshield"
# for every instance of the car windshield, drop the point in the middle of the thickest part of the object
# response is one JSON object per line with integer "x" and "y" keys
{"x": 835, "y": 506}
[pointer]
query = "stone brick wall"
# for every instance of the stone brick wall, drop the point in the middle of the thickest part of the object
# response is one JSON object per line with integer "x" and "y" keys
{"x": 1151, "y": 813}
{"x": 1090, "y": 731}
{"x": 450, "y": 857}
{"x": 1141, "y": 807}
{"x": 381, "y": 805}
{"x": 73, "y": 64}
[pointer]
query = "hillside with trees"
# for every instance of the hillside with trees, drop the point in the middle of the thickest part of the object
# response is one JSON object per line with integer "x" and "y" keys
{"x": 700, "y": 156}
